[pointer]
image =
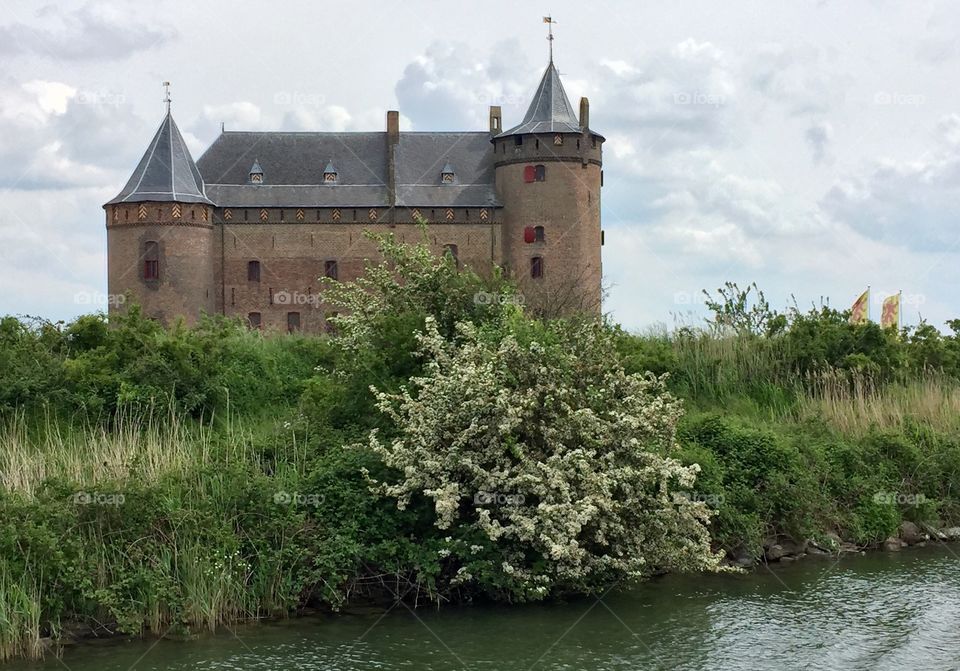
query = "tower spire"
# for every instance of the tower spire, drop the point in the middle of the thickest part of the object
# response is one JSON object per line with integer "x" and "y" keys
{"x": 549, "y": 21}
{"x": 166, "y": 95}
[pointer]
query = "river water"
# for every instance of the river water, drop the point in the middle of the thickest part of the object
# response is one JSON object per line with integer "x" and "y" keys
{"x": 875, "y": 611}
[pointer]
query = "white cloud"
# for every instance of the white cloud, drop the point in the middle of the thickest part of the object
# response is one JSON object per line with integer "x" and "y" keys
{"x": 95, "y": 31}
{"x": 913, "y": 203}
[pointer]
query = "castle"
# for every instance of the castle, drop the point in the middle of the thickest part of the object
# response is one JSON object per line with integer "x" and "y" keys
{"x": 249, "y": 228}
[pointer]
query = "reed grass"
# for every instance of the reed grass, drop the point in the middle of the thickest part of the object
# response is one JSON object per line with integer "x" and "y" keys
{"x": 193, "y": 578}
{"x": 19, "y": 616}
{"x": 856, "y": 403}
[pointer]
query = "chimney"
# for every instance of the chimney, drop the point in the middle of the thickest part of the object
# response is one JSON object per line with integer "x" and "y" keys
{"x": 393, "y": 126}
{"x": 496, "y": 125}
{"x": 393, "y": 139}
{"x": 584, "y": 113}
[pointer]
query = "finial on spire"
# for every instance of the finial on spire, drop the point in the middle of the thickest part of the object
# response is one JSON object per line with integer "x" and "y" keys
{"x": 549, "y": 21}
{"x": 166, "y": 95}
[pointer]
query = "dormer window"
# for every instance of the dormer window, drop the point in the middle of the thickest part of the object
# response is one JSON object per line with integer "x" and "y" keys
{"x": 447, "y": 175}
{"x": 329, "y": 174}
{"x": 256, "y": 173}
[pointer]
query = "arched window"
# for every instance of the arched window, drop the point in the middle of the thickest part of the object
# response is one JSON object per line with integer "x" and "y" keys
{"x": 541, "y": 173}
{"x": 454, "y": 252}
{"x": 330, "y": 269}
{"x": 253, "y": 271}
{"x": 529, "y": 173}
{"x": 536, "y": 267}
{"x": 538, "y": 234}
{"x": 151, "y": 260}
{"x": 254, "y": 320}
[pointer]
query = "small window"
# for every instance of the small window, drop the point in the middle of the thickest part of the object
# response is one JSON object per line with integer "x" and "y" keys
{"x": 454, "y": 253}
{"x": 538, "y": 234}
{"x": 518, "y": 140}
{"x": 293, "y": 322}
{"x": 151, "y": 260}
{"x": 536, "y": 267}
{"x": 330, "y": 269}
{"x": 529, "y": 174}
{"x": 541, "y": 173}
{"x": 253, "y": 271}
{"x": 254, "y": 320}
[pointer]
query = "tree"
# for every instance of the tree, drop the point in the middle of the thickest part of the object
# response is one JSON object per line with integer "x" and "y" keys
{"x": 546, "y": 466}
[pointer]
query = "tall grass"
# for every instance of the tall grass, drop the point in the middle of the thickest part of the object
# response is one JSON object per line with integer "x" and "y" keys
{"x": 192, "y": 575}
{"x": 751, "y": 374}
{"x": 141, "y": 447}
{"x": 19, "y": 616}
{"x": 856, "y": 402}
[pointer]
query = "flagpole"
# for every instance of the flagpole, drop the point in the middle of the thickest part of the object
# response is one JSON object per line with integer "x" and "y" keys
{"x": 899, "y": 310}
{"x": 869, "y": 300}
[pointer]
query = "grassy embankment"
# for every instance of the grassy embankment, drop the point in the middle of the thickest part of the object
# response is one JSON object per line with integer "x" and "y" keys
{"x": 156, "y": 481}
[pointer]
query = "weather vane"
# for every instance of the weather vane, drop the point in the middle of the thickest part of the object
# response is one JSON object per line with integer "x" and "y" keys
{"x": 166, "y": 95}
{"x": 549, "y": 21}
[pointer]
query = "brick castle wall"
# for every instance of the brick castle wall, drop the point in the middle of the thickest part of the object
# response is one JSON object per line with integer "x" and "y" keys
{"x": 567, "y": 204}
{"x": 185, "y": 246}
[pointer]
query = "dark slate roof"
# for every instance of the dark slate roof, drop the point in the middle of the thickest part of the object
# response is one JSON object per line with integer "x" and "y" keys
{"x": 296, "y": 158}
{"x": 166, "y": 172}
{"x": 550, "y": 110}
{"x": 294, "y": 162}
{"x": 422, "y": 157}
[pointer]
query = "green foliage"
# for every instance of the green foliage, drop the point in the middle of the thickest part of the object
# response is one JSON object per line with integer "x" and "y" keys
{"x": 240, "y": 499}
{"x": 92, "y": 369}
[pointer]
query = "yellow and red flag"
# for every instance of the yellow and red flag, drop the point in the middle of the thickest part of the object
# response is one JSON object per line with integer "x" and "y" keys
{"x": 860, "y": 312}
{"x": 891, "y": 312}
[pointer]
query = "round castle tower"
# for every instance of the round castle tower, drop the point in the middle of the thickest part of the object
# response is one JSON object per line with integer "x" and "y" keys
{"x": 548, "y": 176}
{"x": 160, "y": 237}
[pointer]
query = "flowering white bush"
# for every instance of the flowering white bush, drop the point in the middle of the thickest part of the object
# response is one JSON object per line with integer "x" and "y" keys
{"x": 546, "y": 464}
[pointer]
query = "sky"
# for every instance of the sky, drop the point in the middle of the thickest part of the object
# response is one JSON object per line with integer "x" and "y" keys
{"x": 812, "y": 147}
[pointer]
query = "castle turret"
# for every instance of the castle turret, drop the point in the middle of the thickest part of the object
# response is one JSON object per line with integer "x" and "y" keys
{"x": 160, "y": 239}
{"x": 548, "y": 176}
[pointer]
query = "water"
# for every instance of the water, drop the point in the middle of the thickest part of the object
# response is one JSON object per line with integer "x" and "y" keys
{"x": 879, "y": 611}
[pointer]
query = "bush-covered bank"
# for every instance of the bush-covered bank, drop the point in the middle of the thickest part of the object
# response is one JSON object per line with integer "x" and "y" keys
{"x": 158, "y": 479}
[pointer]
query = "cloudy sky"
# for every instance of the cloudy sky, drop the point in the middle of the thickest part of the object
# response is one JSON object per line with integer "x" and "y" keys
{"x": 813, "y": 148}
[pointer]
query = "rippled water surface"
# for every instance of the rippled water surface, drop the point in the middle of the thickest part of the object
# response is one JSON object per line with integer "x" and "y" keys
{"x": 898, "y": 611}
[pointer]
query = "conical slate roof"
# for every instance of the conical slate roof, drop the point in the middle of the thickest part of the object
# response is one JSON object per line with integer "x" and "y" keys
{"x": 550, "y": 111}
{"x": 166, "y": 172}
